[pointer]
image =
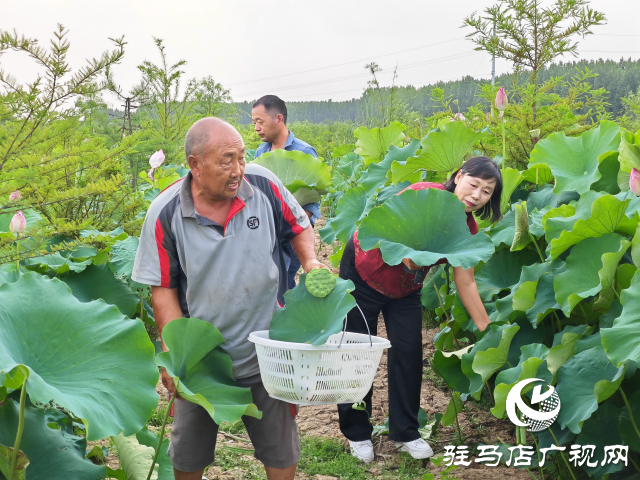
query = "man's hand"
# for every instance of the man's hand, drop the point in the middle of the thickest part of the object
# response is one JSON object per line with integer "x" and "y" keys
{"x": 410, "y": 264}
{"x": 309, "y": 214}
{"x": 312, "y": 265}
{"x": 167, "y": 381}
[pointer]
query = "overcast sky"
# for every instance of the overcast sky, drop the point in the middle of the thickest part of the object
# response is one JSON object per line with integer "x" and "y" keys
{"x": 298, "y": 50}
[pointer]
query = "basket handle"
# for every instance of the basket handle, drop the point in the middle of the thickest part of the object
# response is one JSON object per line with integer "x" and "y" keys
{"x": 344, "y": 329}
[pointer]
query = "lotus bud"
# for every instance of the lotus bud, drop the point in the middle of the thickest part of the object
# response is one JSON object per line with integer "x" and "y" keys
{"x": 15, "y": 196}
{"x": 501, "y": 100}
{"x": 634, "y": 181}
{"x": 150, "y": 173}
{"x": 455, "y": 102}
{"x": 535, "y": 135}
{"x": 18, "y": 223}
{"x": 459, "y": 116}
{"x": 156, "y": 159}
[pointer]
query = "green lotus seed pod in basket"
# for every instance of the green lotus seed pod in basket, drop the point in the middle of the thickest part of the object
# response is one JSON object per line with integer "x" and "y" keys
{"x": 320, "y": 282}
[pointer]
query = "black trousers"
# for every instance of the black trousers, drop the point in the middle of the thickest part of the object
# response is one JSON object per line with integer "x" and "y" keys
{"x": 403, "y": 320}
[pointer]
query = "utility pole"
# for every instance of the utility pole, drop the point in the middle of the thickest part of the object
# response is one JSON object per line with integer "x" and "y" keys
{"x": 493, "y": 59}
{"x": 127, "y": 115}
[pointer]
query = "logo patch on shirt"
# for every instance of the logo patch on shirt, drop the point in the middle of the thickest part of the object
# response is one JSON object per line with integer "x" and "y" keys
{"x": 253, "y": 223}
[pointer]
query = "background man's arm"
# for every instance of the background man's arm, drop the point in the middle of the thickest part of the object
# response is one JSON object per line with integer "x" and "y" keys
{"x": 304, "y": 247}
{"x": 166, "y": 307}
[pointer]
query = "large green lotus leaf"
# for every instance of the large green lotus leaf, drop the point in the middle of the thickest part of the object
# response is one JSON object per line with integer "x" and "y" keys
{"x": 606, "y": 213}
{"x": 591, "y": 266}
{"x": 135, "y": 459}
{"x": 442, "y": 151}
{"x": 532, "y": 364}
{"x": 625, "y": 427}
{"x": 542, "y": 198}
{"x": 352, "y": 207}
{"x": 622, "y": 341}
{"x": 123, "y": 256}
{"x": 574, "y": 161}
{"x": 86, "y": 358}
{"x": 327, "y": 235}
{"x": 202, "y": 372}
{"x": 629, "y": 151}
{"x": 511, "y": 178}
{"x": 521, "y": 237}
{"x": 424, "y": 225}
{"x": 9, "y": 273}
{"x": 150, "y": 439}
{"x": 428, "y": 294}
{"x": 449, "y": 367}
{"x": 609, "y": 168}
{"x": 585, "y": 380}
{"x": 538, "y": 174}
{"x": 504, "y": 231}
{"x": 601, "y": 430}
{"x": 309, "y": 319}
{"x": 502, "y": 271}
{"x": 375, "y": 177}
{"x": 57, "y": 263}
{"x": 52, "y": 452}
{"x": 496, "y": 342}
{"x": 296, "y": 169}
{"x": 96, "y": 282}
{"x": 305, "y": 195}
{"x": 22, "y": 462}
{"x": 373, "y": 144}
{"x": 564, "y": 346}
{"x": 346, "y": 171}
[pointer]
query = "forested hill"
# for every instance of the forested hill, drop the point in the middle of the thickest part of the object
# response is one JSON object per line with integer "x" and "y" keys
{"x": 619, "y": 78}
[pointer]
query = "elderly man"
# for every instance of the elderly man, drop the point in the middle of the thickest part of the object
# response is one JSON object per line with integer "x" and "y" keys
{"x": 269, "y": 115}
{"x": 210, "y": 249}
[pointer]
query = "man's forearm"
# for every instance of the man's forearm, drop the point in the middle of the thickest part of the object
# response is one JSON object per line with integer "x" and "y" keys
{"x": 303, "y": 246}
{"x": 166, "y": 307}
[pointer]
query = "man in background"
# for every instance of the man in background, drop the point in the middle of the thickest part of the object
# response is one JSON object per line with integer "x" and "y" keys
{"x": 269, "y": 115}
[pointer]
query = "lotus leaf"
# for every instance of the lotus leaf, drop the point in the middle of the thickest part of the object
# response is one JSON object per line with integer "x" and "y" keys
{"x": 449, "y": 367}
{"x": 351, "y": 208}
{"x": 625, "y": 427}
{"x": 96, "y": 282}
{"x": 135, "y": 459}
{"x": 52, "y": 452}
{"x": 585, "y": 380}
{"x": 309, "y": 319}
{"x": 375, "y": 177}
{"x": 489, "y": 361}
{"x": 202, "y": 372}
{"x": 501, "y": 272}
{"x": 428, "y": 295}
{"x": 22, "y": 462}
{"x": 373, "y": 144}
{"x": 622, "y": 341}
{"x": 510, "y": 180}
{"x": 564, "y": 346}
{"x": 574, "y": 161}
{"x": 57, "y": 263}
{"x": 609, "y": 168}
{"x": 629, "y": 151}
{"x": 538, "y": 174}
{"x": 9, "y": 273}
{"x": 150, "y": 439}
{"x": 123, "y": 256}
{"x": 542, "y": 198}
{"x": 453, "y": 409}
{"x": 297, "y": 170}
{"x": 424, "y": 225}
{"x": 591, "y": 267}
{"x": 94, "y": 363}
{"x": 601, "y": 430}
{"x": 504, "y": 231}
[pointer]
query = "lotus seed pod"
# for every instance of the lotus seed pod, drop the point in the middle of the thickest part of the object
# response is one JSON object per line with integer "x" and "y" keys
{"x": 320, "y": 282}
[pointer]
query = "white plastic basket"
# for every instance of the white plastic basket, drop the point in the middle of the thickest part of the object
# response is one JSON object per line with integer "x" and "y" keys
{"x": 340, "y": 371}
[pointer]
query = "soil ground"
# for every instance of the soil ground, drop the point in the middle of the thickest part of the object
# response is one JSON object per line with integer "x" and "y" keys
{"x": 476, "y": 422}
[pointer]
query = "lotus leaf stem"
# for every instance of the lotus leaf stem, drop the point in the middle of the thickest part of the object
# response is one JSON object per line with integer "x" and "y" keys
{"x": 16, "y": 446}
{"x": 18, "y": 258}
{"x": 444, "y": 311}
{"x": 538, "y": 452}
{"x": 164, "y": 423}
{"x": 504, "y": 144}
{"x": 536, "y": 245}
{"x": 633, "y": 422}
{"x": 562, "y": 454}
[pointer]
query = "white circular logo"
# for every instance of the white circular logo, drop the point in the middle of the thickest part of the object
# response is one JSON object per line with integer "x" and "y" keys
{"x": 535, "y": 420}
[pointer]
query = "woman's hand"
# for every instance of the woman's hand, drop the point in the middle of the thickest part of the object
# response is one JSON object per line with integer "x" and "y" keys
{"x": 410, "y": 264}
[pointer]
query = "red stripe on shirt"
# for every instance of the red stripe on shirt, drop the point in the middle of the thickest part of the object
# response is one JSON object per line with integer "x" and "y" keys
{"x": 163, "y": 256}
{"x": 236, "y": 206}
{"x": 286, "y": 211}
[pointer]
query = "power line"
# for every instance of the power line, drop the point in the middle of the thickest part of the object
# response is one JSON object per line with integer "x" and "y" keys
{"x": 347, "y": 63}
{"x": 360, "y": 75}
{"x": 609, "y": 51}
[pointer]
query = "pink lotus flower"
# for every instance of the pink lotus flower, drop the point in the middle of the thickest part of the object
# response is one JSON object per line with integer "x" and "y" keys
{"x": 459, "y": 116}
{"x": 18, "y": 223}
{"x": 501, "y": 101}
{"x": 156, "y": 159}
{"x": 15, "y": 196}
{"x": 634, "y": 181}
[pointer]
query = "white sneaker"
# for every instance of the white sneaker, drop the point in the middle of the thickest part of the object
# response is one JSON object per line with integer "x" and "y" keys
{"x": 416, "y": 448}
{"x": 363, "y": 450}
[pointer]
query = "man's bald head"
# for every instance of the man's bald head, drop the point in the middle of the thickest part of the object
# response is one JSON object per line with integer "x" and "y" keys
{"x": 203, "y": 134}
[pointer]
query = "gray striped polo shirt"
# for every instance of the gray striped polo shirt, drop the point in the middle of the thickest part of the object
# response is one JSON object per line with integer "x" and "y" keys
{"x": 230, "y": 275}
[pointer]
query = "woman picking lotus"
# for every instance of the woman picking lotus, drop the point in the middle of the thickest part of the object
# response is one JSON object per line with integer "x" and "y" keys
{"x": 395, "y": 291}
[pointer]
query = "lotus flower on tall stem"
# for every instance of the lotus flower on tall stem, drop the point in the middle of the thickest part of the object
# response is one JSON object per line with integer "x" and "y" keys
{"x": 634, "y": 181}
{"x": 501, "y": 104}
{"x": 17, "y": 225}
{"x": 155, "y": 161}
{"x": 15, "y": 196}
